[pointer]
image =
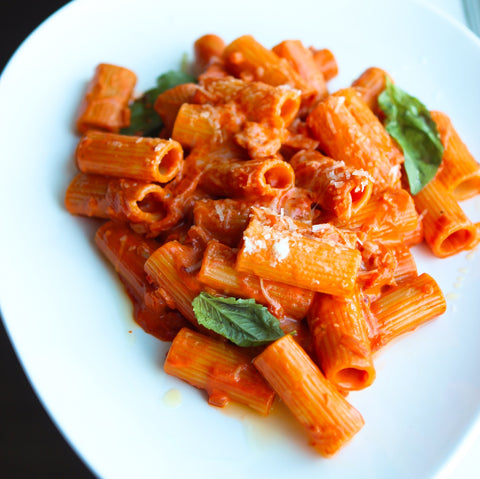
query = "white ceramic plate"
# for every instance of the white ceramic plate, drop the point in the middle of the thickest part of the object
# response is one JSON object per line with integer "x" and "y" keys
{"x": 69, "y": 318}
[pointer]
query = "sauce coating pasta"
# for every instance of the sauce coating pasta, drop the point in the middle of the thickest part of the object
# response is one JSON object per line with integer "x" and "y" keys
{"x": 266, "y": 231}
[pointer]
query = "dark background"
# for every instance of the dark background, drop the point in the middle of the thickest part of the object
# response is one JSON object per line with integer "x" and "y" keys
{"x": 30, "y": 444}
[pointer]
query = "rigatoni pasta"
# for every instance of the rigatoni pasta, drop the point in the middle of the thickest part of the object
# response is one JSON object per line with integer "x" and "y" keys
{"x": 406, "y": 307}
{"x": 147, "y": 159}
{"x": 276, "y": 248}
{"x": 460, "y": 172}
{"x": 266, "y": 227}
{"x": 226, "y": 372}
{"x": 447, "y": 229}
{"x": 330, "y": 421}
{"x": 105, "y": 104}
{"x": 340, "y": 337}
{"x": 349, "y": 131}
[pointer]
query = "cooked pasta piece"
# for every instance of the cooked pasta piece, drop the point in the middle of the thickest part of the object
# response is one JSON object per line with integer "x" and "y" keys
{"x": 218, "y": 272}
{"x": 340, "y": 337}
{"x": 273, "y": 250}
{"x": 116, "y": 198}
{"x": 172, "y": 267}
{"x": 379, "y": 264}
{"x": 249, "y": 60}
{"x": 127, "y": 252}
{"x": 105, "y": 104}
{"x": 225, "y": 174}
{"x": 326, "y": 62}
{"x": 202, "y": 124}
{"x": 349, "y": 131}
{"x": 86, "y": 195}
{"x": 224, "y": 219}
{"x": 181, "y": 195}
{"x": 414, "y": 237}
{"x": 406, "y": 307}
{"x": 275, "y": 105}
{"x": 330, "y": 421}
{"x": 459, "y": 172}
{"x": 446, "y": 228}
{"x": 338, "y": 189}
{"x": 169, "y": 102}
{"x": 369, "y": 85}
{"x": 301, "y": 58}
{"x": 140, "y": 158}
{"x": 208, "y": 50}
{"x": 224, "y": 371}
{"x": 406, "y": 268}
{"x": 389, "y": 216}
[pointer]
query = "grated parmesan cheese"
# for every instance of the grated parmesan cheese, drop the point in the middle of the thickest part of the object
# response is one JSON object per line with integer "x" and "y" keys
{"x": 250, "y": 246}
{"x": 281, "y": 249}
{"x": 219, "y": 211}
{"x": 339, "y": 104}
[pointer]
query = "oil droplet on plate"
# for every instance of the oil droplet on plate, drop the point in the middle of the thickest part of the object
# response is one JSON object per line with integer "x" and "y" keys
{"x": 452, "y": 296}
{"x": 264, "y": 432}
{"x": 470, "y": 255}
{"x": 172, "y": 398}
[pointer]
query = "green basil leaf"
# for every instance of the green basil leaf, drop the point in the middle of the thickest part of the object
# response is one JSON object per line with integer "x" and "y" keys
{"x": 144, "y": 120}
{"x": 173, "y": 78}
{"x": 409, "y": 122}
{"x": 242, "y": 321}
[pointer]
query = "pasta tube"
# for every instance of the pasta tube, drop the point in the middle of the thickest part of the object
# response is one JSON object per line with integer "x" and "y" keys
{"x": 141, "y": 158}
{"x": 208, "y": 49}
{"x": 406, "y": 307}
{"x": 105, "y": 104}
{"x": 389, "y": 216}
{"x": 459, "y": 171}
{"x": 349, "y": 131}
{"x": 326, "y": 62}
{"x": 330, "y": 421}
{"x": 259, "y": 102}
{"x": 172, "y": 267}
{"x": 202, "y": 124}
{"x": 218, "y": 272}
{"x": 341, "y": 342}
{"x": 249, "y": 60}
{"x": 369, "y": 85}
{"x": 169, "y": 102}
{"x": 338, "y": 189}
{"x": 446, "y": 228}
{"x": 272, "y": 251}
{"x": 225, "y": 371}
{"x": 116, "y": 198}
{"x": 224, "y": 174}
{"x": 301, "y": 58}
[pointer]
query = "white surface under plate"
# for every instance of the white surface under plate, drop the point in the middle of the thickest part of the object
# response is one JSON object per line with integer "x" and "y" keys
{"x": 67, "y": 313}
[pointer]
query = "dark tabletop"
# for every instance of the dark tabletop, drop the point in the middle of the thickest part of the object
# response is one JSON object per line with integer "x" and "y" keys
{"x": 30, "y": 444}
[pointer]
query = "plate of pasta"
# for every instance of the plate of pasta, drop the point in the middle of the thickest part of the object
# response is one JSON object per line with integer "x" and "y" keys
{"x": 280, "y": 209}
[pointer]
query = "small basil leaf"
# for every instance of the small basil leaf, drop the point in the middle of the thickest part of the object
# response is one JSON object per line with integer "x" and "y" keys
{"x": 409, "y": 122}
{"x": 144, "y": 120}
{"x": 173, "y": 78}
{"x": 242, "y": 321}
